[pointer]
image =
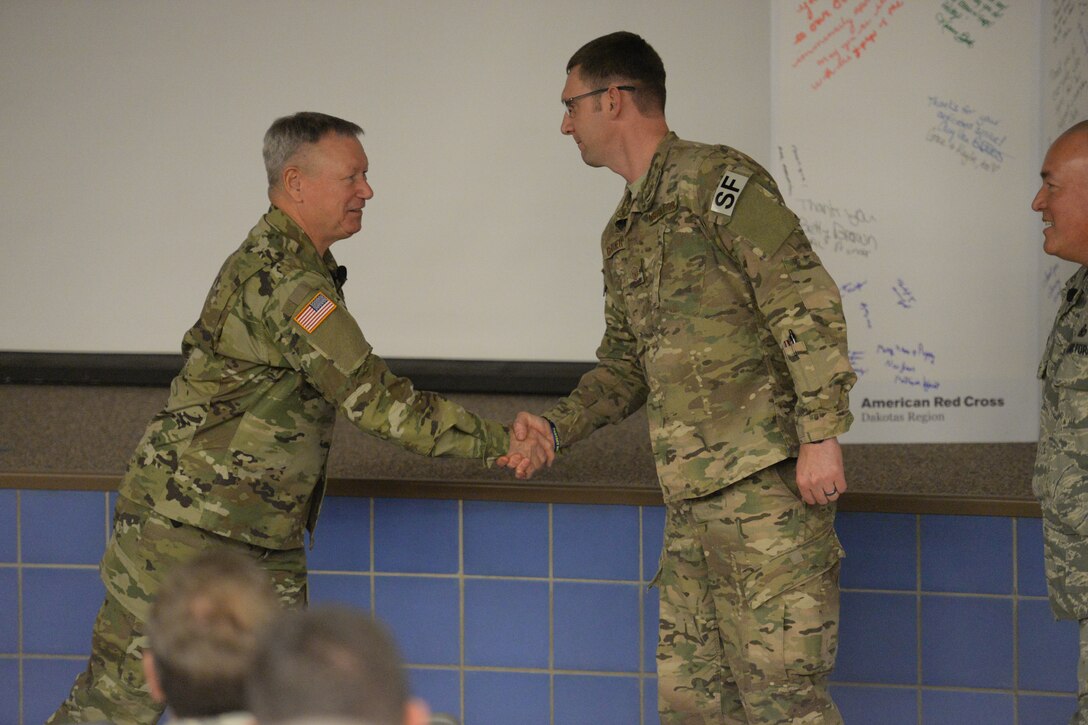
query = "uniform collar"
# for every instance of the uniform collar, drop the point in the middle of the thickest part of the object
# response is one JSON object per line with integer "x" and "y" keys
{"x": 298, "y": 242}
{"x": 643, "y": 200}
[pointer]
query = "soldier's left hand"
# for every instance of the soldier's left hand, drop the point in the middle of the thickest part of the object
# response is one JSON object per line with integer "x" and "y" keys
{"x": 820, "y": 476}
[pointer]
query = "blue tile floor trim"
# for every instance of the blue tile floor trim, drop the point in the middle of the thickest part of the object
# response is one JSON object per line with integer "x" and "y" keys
{"x": 546, "y": 606}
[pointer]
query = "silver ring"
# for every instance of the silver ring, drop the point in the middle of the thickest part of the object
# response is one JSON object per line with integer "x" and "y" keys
{"x": 832, "y": 492}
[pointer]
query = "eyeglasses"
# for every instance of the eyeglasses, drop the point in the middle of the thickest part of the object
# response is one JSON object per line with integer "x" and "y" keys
{"x": 569, "y": 102}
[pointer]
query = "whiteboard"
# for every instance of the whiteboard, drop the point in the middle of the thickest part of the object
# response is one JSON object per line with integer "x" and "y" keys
{"x": 1065, "y": 102}
{"x": 132, "y": 159}
{"x": 906, "y": 136}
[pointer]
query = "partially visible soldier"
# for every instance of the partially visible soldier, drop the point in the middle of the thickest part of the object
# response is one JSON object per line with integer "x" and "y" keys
{"x": 203, "y": 631}
{"x": 237, "y": 457}
{"x": 721, "y": 319}
{"x": 1061, "y": 463}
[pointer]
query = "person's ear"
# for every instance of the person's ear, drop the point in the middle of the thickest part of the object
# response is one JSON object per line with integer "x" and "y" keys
{"x": 416, "y": 712}
{"x": 151, "y": 674}
{"x": 292, "y": 183}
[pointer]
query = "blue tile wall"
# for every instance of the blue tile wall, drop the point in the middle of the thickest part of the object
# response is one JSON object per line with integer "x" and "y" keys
{"x": 506, "y": 539}
{"x": 9, "y": 611}
{"x": 653, "y": 535}
{"x": 1030, "y": 574}
{"x": 9, "y": 526}
{"x": 440, "y": 688}
{"x": 353, "y": 589}
{"x": 1047, "y": 656}
{"x": 9, "y": 690}
{"x": 874, "y": 704}
{"x": 878, "y": 638}
{"x": 880, "y": 550}
{"x": 46, "y": 683}
{"x": 596, "y": 542}
{"x": 650, "y": 611}
{"x": 1045, "y": 709}
{"x": 488, "y": 698}
{"x": 416, "y": 536}
{"x": 967, "y": 642}
{"x": 943, "y": 707}
{"x": 341, "y": 541}
{"x": 649, "y": 702}
{"x": 63, "y": 629}
{"x": 506, "y": 623}
{"x": 63, "y": 527}
{"x": 983, "y": 546}
{"x": 538, "y": 613}
{"x": 424, "y": 614}
{"x": 596, "y": 700}
{"x": 596, "y": 627}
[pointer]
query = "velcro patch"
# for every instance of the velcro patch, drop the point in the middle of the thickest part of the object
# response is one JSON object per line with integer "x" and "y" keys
{"x": 727, "y": 193}
{"x": 315, "y": 312}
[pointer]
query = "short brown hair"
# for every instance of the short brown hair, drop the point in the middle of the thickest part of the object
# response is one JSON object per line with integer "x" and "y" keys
{"x": 623, "y": 57}
{"x": 328, "y": 661}
{"x": 203, "y": 630}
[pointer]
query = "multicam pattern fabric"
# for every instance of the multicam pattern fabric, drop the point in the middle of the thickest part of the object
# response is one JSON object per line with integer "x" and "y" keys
{"x": 727, "y": 327}
{"x": 761, "y": 569}
{"x": 143, "y": 549}
{"x": 721, "y": 319}
{"x": 238, "y": 455}
{"x": 241, "y": 447}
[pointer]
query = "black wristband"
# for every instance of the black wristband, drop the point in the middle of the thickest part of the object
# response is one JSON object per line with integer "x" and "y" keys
{"x": 555, "y": 435}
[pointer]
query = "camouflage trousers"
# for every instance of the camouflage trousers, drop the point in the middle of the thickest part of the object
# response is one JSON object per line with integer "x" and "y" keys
{"x": 1080, "y": 717}
{"x": 142, "y": 550}
{"x": 749, "y": 586}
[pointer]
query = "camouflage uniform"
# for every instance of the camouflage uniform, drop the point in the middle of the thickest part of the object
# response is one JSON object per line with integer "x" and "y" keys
{"x": 721, "y": 319}
{"x": 1061, "y": 467}
{"x": 238, "y": 455}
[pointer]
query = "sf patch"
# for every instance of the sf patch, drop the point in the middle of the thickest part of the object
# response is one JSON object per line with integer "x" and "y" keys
{"x": 315, "y": 312}
{"x": 727, "y": 193}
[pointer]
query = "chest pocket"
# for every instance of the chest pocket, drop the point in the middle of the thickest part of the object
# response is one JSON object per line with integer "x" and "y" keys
{"x": 1069, "y": 375}
{"x": 634, "y": 268}
{"x": 689, "y": 269}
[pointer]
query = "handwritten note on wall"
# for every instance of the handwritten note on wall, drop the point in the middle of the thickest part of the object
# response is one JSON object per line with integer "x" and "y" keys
{"x": 975, "y": 138}
{"x": 906, "y": 142}
{"x": 964, "y": 19}
{"x": 1066, "y": 65}
{"x": 828, "y": 35}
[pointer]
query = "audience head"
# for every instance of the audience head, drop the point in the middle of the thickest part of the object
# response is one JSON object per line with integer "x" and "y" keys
{"x": 203, "y": 630}
{"x": 328, "y": 663}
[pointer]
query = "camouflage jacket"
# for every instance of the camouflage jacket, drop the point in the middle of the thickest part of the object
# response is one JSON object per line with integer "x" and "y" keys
{"x": 720, "y": 317}
{"x": 241, "y": 447}
{"x": 1061, "y": 461}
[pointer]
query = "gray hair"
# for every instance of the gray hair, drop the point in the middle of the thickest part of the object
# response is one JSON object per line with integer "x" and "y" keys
{"x": 287, "y": 135}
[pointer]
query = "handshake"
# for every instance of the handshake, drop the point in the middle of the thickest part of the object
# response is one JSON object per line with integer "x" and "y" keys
{"x": 532, "y": 445}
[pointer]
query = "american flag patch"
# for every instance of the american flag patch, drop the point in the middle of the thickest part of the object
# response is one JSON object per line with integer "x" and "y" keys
{"x": 313, "y": 314}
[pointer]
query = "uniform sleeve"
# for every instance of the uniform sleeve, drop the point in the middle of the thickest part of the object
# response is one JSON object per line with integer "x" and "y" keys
{"x": 320, "y": 338}
{"x": 799, "y": 304}
{"x": 614, "y": 389}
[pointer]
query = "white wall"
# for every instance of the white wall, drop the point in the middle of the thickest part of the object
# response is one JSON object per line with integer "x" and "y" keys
{"x": 131, "y": 152}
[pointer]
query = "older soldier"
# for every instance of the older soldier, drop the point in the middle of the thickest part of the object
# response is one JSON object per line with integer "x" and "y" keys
{"x": 1061, "y": 463}
{"x": 721, "y": 319}
{"x": 237, "y": 457}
